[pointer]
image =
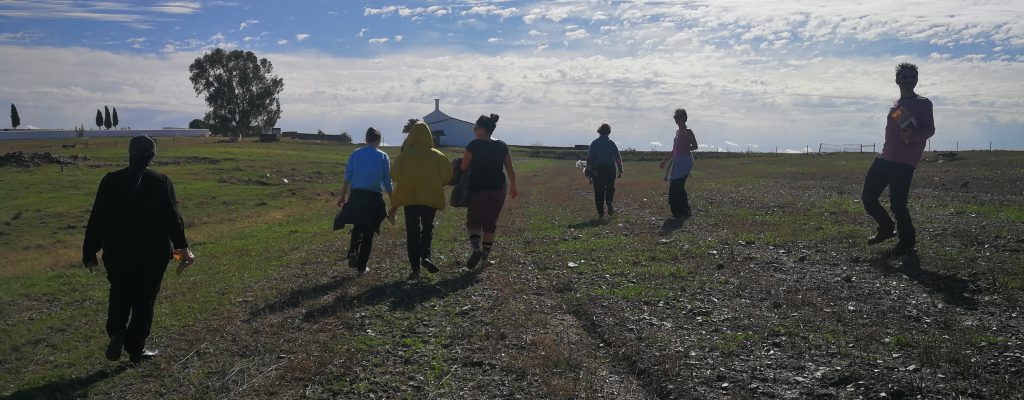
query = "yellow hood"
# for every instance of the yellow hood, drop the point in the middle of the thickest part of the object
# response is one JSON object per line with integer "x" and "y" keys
{"x": 419, "y": 136}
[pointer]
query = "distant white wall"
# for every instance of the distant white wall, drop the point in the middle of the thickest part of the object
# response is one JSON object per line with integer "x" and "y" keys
{"x": 456, "y": 133}
{"x": 43, "y": 134}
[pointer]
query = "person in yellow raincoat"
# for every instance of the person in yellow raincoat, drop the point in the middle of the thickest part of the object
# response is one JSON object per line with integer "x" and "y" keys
{"x": 420, "y": 173}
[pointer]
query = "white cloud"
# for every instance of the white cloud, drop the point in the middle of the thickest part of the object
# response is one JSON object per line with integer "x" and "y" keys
{"x": 493, "y": 40}
{"x": 378, "y": 40}
{"x": 577, "y": 34}
{"x": 362, "y": 32}
{"x": 248, "y": 23}
{"x": 137, "y": 42}
{"x": 731, "y": 143}
{"x": 656, "y": 144}
{"x": 398, "y": 38}
{"x": 19, "y": 37}
{"x": 282, "y": 42}
{"x": 332, "y": 13}
{"x": 302, "y": 36}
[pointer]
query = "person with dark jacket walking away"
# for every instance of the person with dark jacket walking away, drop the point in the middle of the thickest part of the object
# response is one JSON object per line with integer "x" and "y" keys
{"x": 135, "y": 221}
{"x": 420, "y": 173}
{"x": 602, "y": 160}
{"x": 367, "y": 174}
{"x": 681, "y": 164}
{"x": 486, "y": 159}
{"x": 908, "y": 127}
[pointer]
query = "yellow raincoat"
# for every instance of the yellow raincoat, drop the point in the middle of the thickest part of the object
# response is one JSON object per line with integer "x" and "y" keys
{"x": 420, "y": 171}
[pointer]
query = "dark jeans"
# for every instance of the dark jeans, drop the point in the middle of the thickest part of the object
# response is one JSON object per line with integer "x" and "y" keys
{"x": 419, "y": 231}
{"x": 133, "y": 289}
{"x": 897, "y": 177}
{"x": 604, "y": 186}
{"x": 361, "y": 244}
{"x": 677, "y": 198}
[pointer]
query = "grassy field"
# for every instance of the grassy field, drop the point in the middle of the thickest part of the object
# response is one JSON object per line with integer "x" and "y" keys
{"x": 769, "y": 291}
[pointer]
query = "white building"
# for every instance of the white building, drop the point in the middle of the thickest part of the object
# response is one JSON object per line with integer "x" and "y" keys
{"x": 448, "y": 131}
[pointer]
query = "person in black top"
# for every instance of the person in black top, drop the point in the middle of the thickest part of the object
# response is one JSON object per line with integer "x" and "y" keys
{"x": 485, "y": 158}
{"x": 135, "y": 221}
{"x": 602, "y": 158}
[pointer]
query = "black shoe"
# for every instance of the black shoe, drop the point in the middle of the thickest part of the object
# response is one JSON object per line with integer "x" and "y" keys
{"x": 414, "y": 275}
{"x": 114, "y": 348}
{"x": 351, "y": 260}
{"x": 611, "y": 209}
{"x": 430, "y": 266}
{"x": 474, "y": 259}
{"x": 881, "y": 236}
{"x": 144, "y": 355}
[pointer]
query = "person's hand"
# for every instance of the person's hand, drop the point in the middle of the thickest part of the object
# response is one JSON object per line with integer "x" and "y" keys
{"x": 514, "y": 192}
{"x": 662, "y": 165}
{"x": 620, "y": 173}
{"x": 341, "y": 201}
{"x": 186, "y": 259}
{"x": 90, "y": 262}
{"x": 391, "y": 218}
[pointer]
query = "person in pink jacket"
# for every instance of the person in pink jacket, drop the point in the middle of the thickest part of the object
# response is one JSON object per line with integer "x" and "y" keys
{"x": 908, "y": 126}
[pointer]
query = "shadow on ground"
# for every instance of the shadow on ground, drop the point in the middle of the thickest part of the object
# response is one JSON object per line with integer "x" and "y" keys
{"x": 297, "y": 297}
{"x": 954, "y": 290}
{"x": 67, "y": 388}
{"x": 400, "y": 295}
{"x": 671, "y": 225}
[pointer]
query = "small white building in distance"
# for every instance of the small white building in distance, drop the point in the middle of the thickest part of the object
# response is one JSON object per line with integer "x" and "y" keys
{"x": 448, "y": 131}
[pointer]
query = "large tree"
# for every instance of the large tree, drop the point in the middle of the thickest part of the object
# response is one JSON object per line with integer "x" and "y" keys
{"x": 15, "y": 118}
{"x": 99, "y": 119}
{"x": 113, "y": 117}
{"x": 106, "y": 118}
{"x": 239, "y": 89}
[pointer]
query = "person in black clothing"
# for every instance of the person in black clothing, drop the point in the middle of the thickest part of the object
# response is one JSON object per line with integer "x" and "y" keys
{"x": 602, "y": 158}
{"x": 487, "y": 158}
{"x": 135, "y": 221}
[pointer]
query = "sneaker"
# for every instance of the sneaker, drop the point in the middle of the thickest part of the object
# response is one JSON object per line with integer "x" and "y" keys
{"x": 611, "y": 209}
{"x": 113, "y": 352}
{"x": 430, "y": 266}
{"x": 882, "y": 236}
{"x": 145, "y": 355}
{"x": 362, "y": 271}
{"x": 474, "y": 259}
{"x": 351, "y": 260}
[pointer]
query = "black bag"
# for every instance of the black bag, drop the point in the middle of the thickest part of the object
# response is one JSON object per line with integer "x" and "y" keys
{"x": 460, "y": 187}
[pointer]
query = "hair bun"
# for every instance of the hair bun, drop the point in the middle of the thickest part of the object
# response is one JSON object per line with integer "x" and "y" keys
{"x": 494, "y": 118}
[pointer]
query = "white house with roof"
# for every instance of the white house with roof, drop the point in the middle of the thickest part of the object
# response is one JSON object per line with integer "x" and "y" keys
{"x": 448, "y": 131}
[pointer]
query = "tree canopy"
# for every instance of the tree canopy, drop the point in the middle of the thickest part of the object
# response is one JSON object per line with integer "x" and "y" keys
{"x": 113, "y": 117}
{"x": 99, "y": 118}
{"x": 107, "y": 123}
{"x": 240, "y": 90}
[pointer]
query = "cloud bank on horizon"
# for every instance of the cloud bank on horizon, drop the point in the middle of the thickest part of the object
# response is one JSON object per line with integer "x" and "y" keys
{"x": 785, "y": 74}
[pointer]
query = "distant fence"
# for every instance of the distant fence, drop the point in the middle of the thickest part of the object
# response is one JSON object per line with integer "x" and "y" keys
{"x": 845, "y": 148}
{"x": 48, "y": 134}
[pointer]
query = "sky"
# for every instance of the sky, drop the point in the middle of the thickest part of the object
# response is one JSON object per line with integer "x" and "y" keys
{"x": 752, "y": 74}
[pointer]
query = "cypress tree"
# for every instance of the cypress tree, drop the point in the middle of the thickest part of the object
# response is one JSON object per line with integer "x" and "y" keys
{"x": 15, "y": 118}
{"x": 106, "y": 118}
{"x": 99, "y": 119}
{"x": 113, "y": 117}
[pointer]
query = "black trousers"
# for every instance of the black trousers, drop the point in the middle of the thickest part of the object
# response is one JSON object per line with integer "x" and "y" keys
{"x": 678, "y": 201}
{"x": 604, "y": 186}
{"x": 897, "y": 177}
{"x": 419, "y": 232}
{"x": 133, "y": 289}
{"x": 361, "y": 244}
